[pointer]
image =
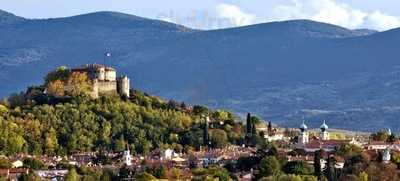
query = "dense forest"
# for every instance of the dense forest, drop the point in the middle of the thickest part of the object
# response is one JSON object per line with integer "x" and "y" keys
{"x": 80, "y": 124}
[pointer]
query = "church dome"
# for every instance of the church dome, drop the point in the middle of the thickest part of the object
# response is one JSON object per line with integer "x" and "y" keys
{"x": 303, "y": 126}
{"x": 324, "y": 126}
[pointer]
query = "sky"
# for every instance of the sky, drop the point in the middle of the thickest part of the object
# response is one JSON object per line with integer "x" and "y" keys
{"x": 213, "y": 14}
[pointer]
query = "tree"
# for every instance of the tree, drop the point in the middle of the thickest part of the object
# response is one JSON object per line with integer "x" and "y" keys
{"x": 183, "y": 106}
{"x": 176, "y": 173}
{"x": 381, "y": 135}
{"x": 282, "y": 177}
{"x": 30, "y": 177}
{"x": 317, "y": 162}
{"x": 34, "y": 163}
{"x": 15, "y": 143}
{"x": 3, "y": 109}
{"x": 120, "y": 144}
{"x": 160, "y": 172}
{"x": 5, "y": 163}
{"x": 105, "y": 133}
{"x": 78, "y": 84}
{"x": 51, "y": 142}
{"x": 254, "y": 122}
{"x": 395, "y": 158}
{"x": 61, "y": 73}
{"x": 297, "y": 167}
{"x": 145, "y": 177}
{"x": 108, "y": 175}
{"x": 143, "y": 147}
{"x": 220, "y": 115}
{"x": 269, "y": 166}
{"x": 205, "y": 134}
{"x": 219, "y": 173}
{"x": 56, "y": 88}
{"x": 219, "y": 138}
{"x": 16, "y": 100}
{"x": 72, "y": 175}
{"x": 363, "y": 176}
{"x": 330, "y": 168}
{"x": 249, "y": 125}
{"x": 200, "y": 110}
{"x": 348, "y": 150}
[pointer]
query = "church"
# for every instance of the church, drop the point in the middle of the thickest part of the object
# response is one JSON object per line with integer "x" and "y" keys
{"x": 323, "y": 141}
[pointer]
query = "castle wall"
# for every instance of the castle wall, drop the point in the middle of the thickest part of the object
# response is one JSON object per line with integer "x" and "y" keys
{"x": 105, "y": 87}
{"x": 95, "y": 89}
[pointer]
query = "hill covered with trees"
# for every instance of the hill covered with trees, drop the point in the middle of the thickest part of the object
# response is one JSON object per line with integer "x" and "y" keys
{"x": 51, "y": 122}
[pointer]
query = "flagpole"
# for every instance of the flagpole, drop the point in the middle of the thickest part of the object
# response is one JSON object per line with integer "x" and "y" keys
{"x": 106, "y": 54}
{"x": 104, "y": 59}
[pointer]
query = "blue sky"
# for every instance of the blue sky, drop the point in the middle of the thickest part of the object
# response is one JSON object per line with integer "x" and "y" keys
{"x": 212, "y": 14}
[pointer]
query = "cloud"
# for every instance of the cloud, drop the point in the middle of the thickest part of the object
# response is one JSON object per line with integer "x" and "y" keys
{"x": 334, "y": 12}
{"x": 234, "y": 14}
{"x": 382, "y": 21}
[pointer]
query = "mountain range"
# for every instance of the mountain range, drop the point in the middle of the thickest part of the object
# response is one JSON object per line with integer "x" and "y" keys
{"x": 281, "y": 71}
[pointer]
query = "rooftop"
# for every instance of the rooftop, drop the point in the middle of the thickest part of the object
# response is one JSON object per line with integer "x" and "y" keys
{"x": 92, "y": 66}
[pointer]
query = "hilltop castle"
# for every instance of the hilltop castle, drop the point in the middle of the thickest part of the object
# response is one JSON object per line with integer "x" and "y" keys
{"x": 105, "y": 80}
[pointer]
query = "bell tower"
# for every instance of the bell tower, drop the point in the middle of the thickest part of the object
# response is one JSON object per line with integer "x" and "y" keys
{"x": 324, "y": 135}
{"x": 303, "y": 137}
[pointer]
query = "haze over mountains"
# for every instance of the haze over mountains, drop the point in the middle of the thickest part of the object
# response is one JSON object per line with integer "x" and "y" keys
{"x": 283, "y": 71}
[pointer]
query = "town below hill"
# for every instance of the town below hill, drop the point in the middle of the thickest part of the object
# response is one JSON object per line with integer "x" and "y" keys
{"x": 86, "y": 123}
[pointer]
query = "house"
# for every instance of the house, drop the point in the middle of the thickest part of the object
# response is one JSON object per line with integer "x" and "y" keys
{"x": 17, "y": 164}
{"x": 377, "y": 145}
{"x": 14, "y": 173}
{"x": 168, "y": 154}
{"x": 51, "y": 174}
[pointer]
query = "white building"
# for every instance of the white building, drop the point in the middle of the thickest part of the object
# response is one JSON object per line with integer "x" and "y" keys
{"x": 127, "y": 157}
{"x": 386, "y": 155}
{"x": 17, "y": 164}
{"x": 168, "y": 154}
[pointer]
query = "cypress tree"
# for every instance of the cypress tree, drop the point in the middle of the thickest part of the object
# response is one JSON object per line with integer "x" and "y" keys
{"x": 205, "y": 133}
{"x": 253, "y": 127}
{"x": 249, "y": 124}
{"x": 330, "y": 168}
{"x": 269, "y": 128}
{"x": 317, "y": 163}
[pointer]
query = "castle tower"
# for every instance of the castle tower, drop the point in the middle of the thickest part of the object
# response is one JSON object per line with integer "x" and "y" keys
{"x": 303, "y": 137}
{"x": 324, "y": 135}
{"x": 123, "y": 86}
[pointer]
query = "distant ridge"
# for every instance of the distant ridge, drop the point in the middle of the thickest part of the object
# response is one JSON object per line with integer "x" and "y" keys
{"x": 7, "y": 18}
{"x": 122, "y": 19}
{"x": 307, "y": 28}
{"x": 282, "y": 71}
